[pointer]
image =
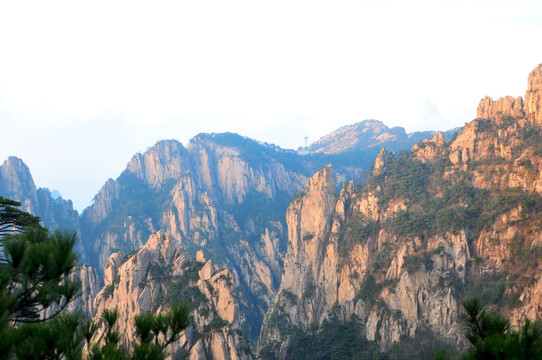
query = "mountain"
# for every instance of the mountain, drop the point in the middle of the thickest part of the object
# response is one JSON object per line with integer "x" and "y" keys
{"x": 371, "y": 134}
{"x": 16, "y": 183}
{"x": 428, "y": 228}
{"x": 159, "y": 273}
{"x": 56, "y": 213}
{"x": 223, "y": 193}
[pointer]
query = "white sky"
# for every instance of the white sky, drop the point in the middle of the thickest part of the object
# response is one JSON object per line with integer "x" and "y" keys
{"x": 86, "y": 84}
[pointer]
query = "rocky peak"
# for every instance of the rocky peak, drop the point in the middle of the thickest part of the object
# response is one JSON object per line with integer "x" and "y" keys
{"x": 311, "y": 212}
{"x": 17, "y": 182}
{"x": 159, "y": 273}
{"x": 495, "y": 109}
{"x": 531, "y": 108}
{"x": 533, "y": 96}
{"x": 103, "y": 202}
{"x": 428, "y": 149}
{"x": 163, "y": 161}
{"x": 381, "y": 160}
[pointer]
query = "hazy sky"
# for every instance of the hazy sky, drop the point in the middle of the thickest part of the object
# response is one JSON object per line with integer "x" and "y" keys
{"x": 86, "y": 84}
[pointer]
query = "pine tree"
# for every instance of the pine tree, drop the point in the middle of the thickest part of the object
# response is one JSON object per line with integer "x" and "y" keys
{"x": 34, "y": 286}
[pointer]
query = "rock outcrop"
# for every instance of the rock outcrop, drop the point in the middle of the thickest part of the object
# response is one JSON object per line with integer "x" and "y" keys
{"x": 531, "y": 108}
{"x": 490, "y": 109}
{"x": 533, "y": 96}
{"x": 91, "y": 285}
{"x": 160, "y": 272}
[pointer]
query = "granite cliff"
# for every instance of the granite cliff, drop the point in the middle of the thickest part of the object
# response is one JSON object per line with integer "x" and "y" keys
{"x": 429, "y": 227}
{"x": 159, "y": 273}
{"x": 16, "y": 183}
{"x": 222, "y": 193}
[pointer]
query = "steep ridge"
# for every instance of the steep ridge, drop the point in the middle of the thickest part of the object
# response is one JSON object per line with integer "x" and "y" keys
{"x": 371, "y": 134}
{"x": 16, "y": 183}
{"x": 160, "y": 273}
{"x": 215, "y": 196}
{"x": 222, "y": 193}
{"x": 429, "y": 227}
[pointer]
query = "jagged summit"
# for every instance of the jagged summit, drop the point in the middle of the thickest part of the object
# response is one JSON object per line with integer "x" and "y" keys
{"x": 16, "y": 178}
{"x": 529, "y": 107}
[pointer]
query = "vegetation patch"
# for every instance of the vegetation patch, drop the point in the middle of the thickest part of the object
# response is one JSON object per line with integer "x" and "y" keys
{"x": 412, "y": 263}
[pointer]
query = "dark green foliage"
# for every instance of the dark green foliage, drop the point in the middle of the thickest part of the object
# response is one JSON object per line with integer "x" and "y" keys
{"x": 506, "y": 121}
{"x": 485, "y": 125}
{"x": 369, "y": 290}
{"x": 410, "y": 224}
{"x": 490, "y": 335}
{"x": 402, "y": 177}
{"x": 182, "y": 288}
{"x": 424, "y": 346}
{"x": 290, "y": 297}
{"x": 60, "y": 337}
{"x": 356, "y": 231}
{"x": 383, "y": 258}
{"x": 413, "y": 263}
{"x": 35, "y": 287}
{"x": 14, "y": 220}
{"x": 36, "y": 270}
{"x": 481, "y": 324}
{"x": 435, "y": 205}
{"x": 334, "y": 339}
{"x": 529, "y": 137}
{"x": 488, "y": 287}
{"x": 152, "y": 336}
{"x": 216, "y": 323}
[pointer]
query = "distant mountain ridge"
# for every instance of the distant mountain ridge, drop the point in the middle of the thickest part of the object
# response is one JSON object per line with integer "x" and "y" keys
{"x": 16, "y": 183}
{"x": 369, "y": 134}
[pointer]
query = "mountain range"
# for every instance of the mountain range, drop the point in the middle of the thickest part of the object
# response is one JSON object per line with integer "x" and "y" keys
{"x": 371, "y": 223}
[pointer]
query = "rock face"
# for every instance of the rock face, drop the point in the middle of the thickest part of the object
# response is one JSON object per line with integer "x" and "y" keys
{"x": 531, "y": 108}
{"x": 533, "y": 96}
{"x": 159, "y": 273}
{"x": 447, "y": 221}
{"x": 223, "y": 193}
{"x": 91, "y": 285}
{"x": 321, "y": 271}
{"x": 16, "y": 183}
{"x": 489, "y": 109}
